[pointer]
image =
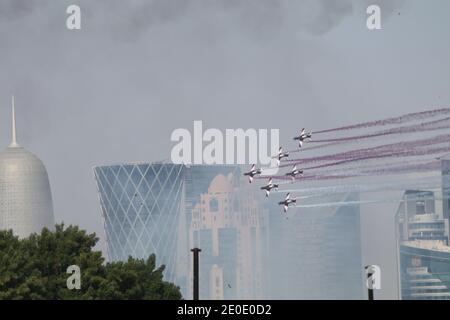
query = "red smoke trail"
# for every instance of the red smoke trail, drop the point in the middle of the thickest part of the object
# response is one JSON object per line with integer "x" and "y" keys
{"x": 369, "y": 157}
{"x": 427, "y": 126}
{"x": 407, "y": 153}
{"x": 431, "y": 166}
{"x": 375, "y": 166}
{"x": 396, "y": 120}
{"x": 410, "y": 153}
{"x": 421, "y": 127}
{"x": 405, "y": 145}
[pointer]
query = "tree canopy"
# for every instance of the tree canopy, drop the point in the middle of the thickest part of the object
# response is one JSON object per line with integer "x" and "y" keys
{"x": 36, "y": 268}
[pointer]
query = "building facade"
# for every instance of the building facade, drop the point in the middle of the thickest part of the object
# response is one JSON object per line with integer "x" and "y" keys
{"x": 316, "y": 252}
{"x": 146, "y": 208}
{"x": 423, "y": 251}
{"x": 229, "y": 225}
{"x": 425, "y": 270}
{"x": 418, "y": 218}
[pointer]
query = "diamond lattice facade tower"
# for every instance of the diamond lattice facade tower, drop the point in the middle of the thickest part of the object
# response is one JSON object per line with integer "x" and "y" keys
{"x": 141, "y": 207}
{"x": 145, "y": 206}
{"x": 25, "y": 196}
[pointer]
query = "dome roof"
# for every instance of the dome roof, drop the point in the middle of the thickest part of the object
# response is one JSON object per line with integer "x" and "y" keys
{"x": 220, "y": 184}
{"x": 14, "y": 159}
{"x": 25, "y": 197}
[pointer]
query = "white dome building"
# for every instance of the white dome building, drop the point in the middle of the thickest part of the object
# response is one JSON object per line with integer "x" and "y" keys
{"x": 25, "y": 196}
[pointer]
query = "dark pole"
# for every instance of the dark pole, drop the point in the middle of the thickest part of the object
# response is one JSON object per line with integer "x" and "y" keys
{"x": 196, "y": 278}
{"x": 370, "y": 289}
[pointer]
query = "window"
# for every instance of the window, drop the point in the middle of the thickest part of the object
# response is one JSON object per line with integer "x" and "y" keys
{"x": 214, "y": 205}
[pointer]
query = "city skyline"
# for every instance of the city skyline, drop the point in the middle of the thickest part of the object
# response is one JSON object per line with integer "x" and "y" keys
{"x": 114, "y": 91}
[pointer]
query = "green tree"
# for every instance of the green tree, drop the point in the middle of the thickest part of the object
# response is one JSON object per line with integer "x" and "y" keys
{"x": 35, "y": 268}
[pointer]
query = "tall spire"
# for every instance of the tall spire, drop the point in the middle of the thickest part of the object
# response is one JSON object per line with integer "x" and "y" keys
{"x": 13, "y": 126}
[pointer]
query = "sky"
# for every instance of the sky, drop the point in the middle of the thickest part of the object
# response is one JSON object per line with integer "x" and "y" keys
{"x": 116, "y": 89}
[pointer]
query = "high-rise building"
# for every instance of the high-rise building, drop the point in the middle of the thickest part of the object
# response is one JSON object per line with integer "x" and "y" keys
{"x": 418, "y": 219}
{"x": 141, "y": 206}
{"x": 25, "y": 196}
{"x": 315, "y": 253}
{"x": 445, "y": 178}
{"x": 229, "y": 225}
{"x": 423, "y": 251}
{"x": 147, "y": 207}
{"x": 424, "y": 270}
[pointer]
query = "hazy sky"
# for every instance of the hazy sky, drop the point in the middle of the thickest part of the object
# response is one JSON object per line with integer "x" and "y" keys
{"x": 115, "y": 90}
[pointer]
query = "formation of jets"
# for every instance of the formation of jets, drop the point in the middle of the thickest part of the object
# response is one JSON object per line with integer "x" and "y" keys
{"x": 302, "y": 137}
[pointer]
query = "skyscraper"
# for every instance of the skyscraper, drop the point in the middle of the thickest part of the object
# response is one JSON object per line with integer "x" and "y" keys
{"x": 141, "y": 207}
{"x": 424, "y": 254}
{"x": 145, "y": 208}
{"x": 316, "y": 252}
{"x": 229, "y": 224}
{"x": 25, "y": 196}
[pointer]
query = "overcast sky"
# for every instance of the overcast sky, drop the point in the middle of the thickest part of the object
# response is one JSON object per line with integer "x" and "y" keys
{"x": 115, "y": 90}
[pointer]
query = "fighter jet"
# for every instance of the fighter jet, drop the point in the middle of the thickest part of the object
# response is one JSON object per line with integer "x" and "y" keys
{"x": 253, "y": 172}
{"x": 294, "y": 172}
{"x": 302, "y": 137}
{"x": 287, "y": 201}
{"x": 281, "y": 155}
{"x": 269, "y": 187}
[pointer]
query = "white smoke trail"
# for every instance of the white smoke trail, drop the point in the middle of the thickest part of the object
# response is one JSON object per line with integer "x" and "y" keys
{"x": 353, "y": 203}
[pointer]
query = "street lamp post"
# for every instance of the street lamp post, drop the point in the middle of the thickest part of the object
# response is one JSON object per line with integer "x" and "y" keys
{"x": 195, "y": 251}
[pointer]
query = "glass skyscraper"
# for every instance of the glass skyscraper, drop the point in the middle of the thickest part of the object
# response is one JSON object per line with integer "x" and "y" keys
{"x": 229, "y": 225}
{"x": 425, "y": 271}
{"x": 316, "y": 252}
{"x": 424, "y": 254}
{"x": 141, "y": 206}
{"x": 147, "y": 207}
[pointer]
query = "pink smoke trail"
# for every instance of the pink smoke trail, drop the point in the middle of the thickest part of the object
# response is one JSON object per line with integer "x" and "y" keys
{"x": 427, "y": 126}
{"x": 410, "y": 153}
{"x": 421, "y": 127}
{"x": 404, "y": 145}
{"x": 395, "y": 120}
{"x": 431, "y": 166}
